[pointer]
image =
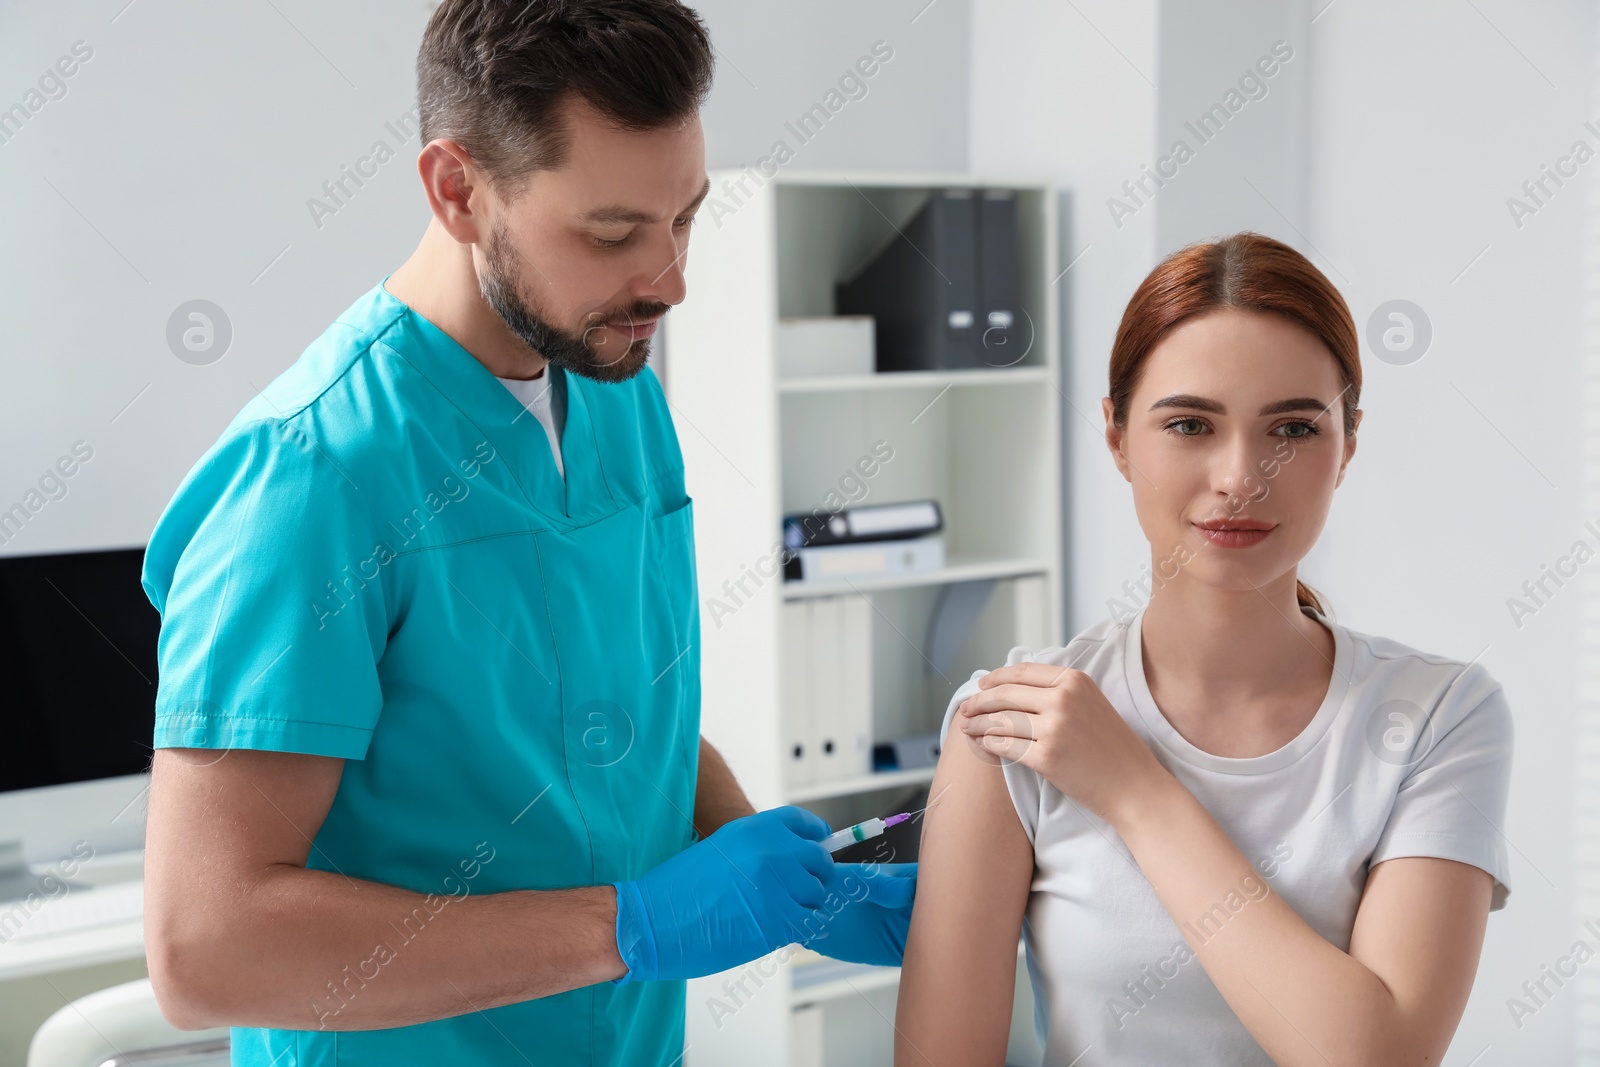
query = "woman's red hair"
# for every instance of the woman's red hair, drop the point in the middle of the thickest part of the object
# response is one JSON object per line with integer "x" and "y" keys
{"x": 1246, "y": 271}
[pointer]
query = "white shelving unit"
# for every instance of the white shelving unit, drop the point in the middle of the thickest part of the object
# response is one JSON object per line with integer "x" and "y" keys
{"x": 986, "y": 443}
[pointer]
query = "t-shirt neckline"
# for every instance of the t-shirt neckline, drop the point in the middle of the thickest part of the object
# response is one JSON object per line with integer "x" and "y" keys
{"x": 1174, "y": 742}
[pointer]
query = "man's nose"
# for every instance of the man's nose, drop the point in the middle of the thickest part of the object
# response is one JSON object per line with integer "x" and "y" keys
{"x": 666, "y": 283}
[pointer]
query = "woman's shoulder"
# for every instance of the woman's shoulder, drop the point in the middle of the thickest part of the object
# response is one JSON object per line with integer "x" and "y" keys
{"x": 1447, "y": 689}
{"x": 1092, "y": 651}
{"x": 1088, "y": 644}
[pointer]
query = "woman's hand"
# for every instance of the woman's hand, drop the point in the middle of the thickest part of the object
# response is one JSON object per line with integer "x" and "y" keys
{"x": 1056, "y": 721}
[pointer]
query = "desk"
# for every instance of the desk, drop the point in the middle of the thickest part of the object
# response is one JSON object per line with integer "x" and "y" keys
{"x": 28, "y": 957}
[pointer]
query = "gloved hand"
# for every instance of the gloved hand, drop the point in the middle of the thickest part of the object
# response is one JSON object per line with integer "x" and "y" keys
{"x": 871, "y": 926}
{"x": 742, "y": 892}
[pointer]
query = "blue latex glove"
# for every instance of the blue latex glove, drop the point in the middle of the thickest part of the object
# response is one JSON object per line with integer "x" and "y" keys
{"x": 742, "y": 892}
{"x": 871, "y": 925}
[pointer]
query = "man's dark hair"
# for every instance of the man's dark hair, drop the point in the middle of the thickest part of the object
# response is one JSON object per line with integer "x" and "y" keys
{"x": 492, "y": 75}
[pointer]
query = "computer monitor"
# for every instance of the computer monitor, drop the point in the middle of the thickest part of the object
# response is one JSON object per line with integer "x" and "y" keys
{"x": 77, "y": 707}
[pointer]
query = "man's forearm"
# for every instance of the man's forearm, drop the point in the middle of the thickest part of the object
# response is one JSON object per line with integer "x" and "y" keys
{"x": 308, "y": 950}
{"x": 717, "y": 795}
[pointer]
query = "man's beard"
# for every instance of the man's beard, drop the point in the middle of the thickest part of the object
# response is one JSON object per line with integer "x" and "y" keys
{"x": 501, "y": 285}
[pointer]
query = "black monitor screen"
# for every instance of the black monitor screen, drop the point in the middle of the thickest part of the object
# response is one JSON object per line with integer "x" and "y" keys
{"x": 77, "y": 668}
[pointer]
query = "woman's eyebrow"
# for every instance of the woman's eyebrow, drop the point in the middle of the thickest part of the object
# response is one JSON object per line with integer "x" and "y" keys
{"x": 1200, "y": 403}
{"x": 1189, "y": 400}
{"x": 1299, "y": 403}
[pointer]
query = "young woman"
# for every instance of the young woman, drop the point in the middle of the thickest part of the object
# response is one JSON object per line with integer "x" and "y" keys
{"x": 1231, "y": 830}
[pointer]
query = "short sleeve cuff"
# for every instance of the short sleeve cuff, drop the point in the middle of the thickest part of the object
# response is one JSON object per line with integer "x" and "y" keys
{"x": 1487, "y": 856}
{"x": 215, "y": 729}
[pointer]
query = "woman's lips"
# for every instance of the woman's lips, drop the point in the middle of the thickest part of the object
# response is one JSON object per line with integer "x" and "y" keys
{"x": 1233, "y": 538}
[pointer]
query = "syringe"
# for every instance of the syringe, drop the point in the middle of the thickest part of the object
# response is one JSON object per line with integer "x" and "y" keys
{"x": 862, "y": 831}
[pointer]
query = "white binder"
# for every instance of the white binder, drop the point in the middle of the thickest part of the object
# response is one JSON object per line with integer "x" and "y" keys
{"x": 855, "y": 706}
{"x": 841, "y": 649}
{"x": 827, "y": 686}
{"x": 805, "y": 1036}
{"x": 796, "y": 695}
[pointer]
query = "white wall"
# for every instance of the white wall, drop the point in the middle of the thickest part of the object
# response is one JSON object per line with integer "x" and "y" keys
{"x": 178, "y": 166}
{"x": 180, "y": 160}
{"x": 1425, "y": 118}
{"x": 776, "y": 59}
{"x": 1067, "y": 92}
{"x": 1251, "y": 173}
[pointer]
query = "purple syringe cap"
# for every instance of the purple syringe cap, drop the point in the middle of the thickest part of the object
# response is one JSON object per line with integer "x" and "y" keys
{"x": 896, "y": 820}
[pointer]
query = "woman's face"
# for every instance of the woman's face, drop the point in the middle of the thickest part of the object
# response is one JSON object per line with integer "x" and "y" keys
{"x": 1237, "y": 421}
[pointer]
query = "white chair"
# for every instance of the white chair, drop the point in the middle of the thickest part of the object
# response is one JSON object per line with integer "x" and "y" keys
{"x": 123, "y": 1027}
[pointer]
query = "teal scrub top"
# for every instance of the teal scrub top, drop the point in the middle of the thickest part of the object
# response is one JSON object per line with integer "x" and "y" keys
{"x": 379, "y": 561}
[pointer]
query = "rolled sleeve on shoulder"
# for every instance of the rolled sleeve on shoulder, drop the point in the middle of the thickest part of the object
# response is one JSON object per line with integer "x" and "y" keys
{"x": 1024, "y": 784}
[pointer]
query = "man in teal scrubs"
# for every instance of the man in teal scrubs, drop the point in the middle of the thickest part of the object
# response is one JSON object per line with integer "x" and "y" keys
{"x": 429, "y": 786}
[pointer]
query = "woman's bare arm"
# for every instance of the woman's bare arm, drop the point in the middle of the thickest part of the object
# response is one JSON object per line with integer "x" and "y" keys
{"x": 1395, "y": 998}
{"x": 975, "y": 870}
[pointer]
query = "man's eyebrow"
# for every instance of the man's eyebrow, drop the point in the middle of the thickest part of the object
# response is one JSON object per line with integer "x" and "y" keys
{"x": 616, "y": 214}
{"x": 694, "y": 205}
{"x": 1200, "y": 403}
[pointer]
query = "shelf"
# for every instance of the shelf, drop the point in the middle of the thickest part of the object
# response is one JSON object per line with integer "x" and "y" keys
{"x": 961, "y": 570}
{"x": 984, "y": 441}
{"x": 864, "y": 783}
{"x": 916, "y": 379}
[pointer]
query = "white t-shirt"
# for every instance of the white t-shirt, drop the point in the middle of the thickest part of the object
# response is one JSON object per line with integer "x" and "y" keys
{"x": 1408, "y": 755}
{"x": 548, "y": 401}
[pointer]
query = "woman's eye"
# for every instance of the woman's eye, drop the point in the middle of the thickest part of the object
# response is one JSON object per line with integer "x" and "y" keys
{"x": 1172, "y": 427}
{"x": 1309, "y": 430}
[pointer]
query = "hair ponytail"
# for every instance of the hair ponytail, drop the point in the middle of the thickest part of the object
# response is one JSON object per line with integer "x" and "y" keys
{"x": 1307, "y": 597}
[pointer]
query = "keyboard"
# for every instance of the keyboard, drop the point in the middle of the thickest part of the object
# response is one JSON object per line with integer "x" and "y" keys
{"x": 83, "y": 908}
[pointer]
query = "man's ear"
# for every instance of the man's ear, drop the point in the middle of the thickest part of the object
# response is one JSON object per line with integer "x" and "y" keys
{"x": 1349, "y": 447}
{"x": 1114, "y": 438}
{"x": 449, "y": 179}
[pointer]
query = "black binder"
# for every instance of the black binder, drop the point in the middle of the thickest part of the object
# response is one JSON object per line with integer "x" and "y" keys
{"x": 946, "y": 292}
{"x": 1002, "y": 337}
{"x": 922, "y": 289}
